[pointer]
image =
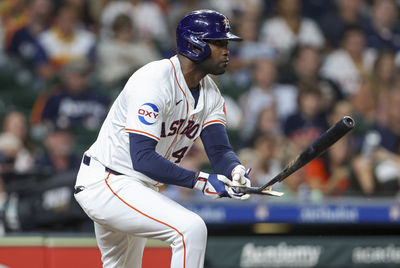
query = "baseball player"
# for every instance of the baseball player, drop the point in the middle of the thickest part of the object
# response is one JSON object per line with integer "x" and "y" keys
{"x": 152, "y": 124}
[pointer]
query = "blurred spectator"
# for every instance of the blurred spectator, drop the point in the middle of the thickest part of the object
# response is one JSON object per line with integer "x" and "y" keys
{"x": 246, "y": 52}
{"x": 383, "y": 79}
{"x": 58, "y": 156}
{"x": 383, "y": 31}
{"x": 337, "y": 159}
{"x": 14, "y": 15}
{"x": 64, "y": 42}
{"x": 267, "y": 123}
{"x": 234, "y": 113}
{"x": 377, "y": 167}
{"x": 346, "y": 13}
{"x": 266, "y": 92}
{"x": 317, "y": 9}
{"x": 243, "y": 57}
{"x": 15, "y": 135}
{"x": 288, "y": 28}
{"x": 123, "y": 53}
{"x": 249, "y": 49}
{"x": 10, "y": 145}
{"x": 308, "y": 122}
{"x": 2, "y": 43}
{"x": 251, "y": 159}
{"x": 253, "y": 8}
{"x": 350, "y": 64}
{"x": 73, "y": 104}
{"x": 24, "y": 43}
{"x": 95, "y": 8}
{"x": 178, "y": 9}
{"x": 82, "y": 10}
{"x": 331, "y": 173}
{"x": 267, "y": 147}
{"x": 304, "y": 68}
{"x": 263, "y": 156}
{"x": 145, "y": 15}
{"x": 364, "y": 105}
{"x": 387, "y": 169}
{"x": 9, "y": 148}
{"x": 303, "y": 127}
{"x": 295, "y": 186}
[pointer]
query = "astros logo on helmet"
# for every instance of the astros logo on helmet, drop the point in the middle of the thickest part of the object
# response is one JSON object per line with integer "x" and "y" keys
{"x": 148, "y": 113}
{"x": 226, "y": 24}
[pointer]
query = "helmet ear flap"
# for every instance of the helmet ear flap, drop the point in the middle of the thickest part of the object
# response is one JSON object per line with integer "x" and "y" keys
{"x": 196, "y": 48}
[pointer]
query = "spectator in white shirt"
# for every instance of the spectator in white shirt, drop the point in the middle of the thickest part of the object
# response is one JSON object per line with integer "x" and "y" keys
{"x": 266, "y": 92}
{"x": 350, "y": 64}
{"x": 288, "y": 28}
{"x": 122, "y": 54}
{"x": 148, "y": 18}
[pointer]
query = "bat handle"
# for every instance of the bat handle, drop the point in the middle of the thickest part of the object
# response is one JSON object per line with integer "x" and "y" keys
{"x": 246, "y": 190}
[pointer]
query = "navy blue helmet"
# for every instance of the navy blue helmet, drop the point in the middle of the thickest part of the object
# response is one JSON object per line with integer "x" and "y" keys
{"x": 198, "y": 26}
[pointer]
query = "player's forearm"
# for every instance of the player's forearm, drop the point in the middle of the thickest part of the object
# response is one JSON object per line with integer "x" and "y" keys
{"x": 219, "y": 150}
{"x": 147, "y": 161}
{"x": 224, "y": 163}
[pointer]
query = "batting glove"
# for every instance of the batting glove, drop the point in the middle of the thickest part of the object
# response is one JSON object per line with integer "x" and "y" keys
{"x": 213, "y": 185}
{"x": 241, "y": 178}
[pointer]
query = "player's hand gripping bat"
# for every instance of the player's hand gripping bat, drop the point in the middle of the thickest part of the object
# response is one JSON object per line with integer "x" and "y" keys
{"x": 323, "y": 142}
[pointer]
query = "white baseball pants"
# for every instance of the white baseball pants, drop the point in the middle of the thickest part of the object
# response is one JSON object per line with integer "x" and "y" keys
{"x": 127, "y": 211}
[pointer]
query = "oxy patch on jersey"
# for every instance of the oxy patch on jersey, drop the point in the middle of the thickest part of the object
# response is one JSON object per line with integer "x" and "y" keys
{"x": 148, "y": 113}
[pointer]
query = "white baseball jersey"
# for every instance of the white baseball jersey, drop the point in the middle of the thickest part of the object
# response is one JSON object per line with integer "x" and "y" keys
{"x": 157, "y": 103}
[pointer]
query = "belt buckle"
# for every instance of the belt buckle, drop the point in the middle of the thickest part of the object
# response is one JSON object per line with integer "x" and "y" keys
{"x": 86, "y": 160}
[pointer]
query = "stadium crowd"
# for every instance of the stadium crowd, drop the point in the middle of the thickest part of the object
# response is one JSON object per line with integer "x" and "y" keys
{"x": 302, "y": 65}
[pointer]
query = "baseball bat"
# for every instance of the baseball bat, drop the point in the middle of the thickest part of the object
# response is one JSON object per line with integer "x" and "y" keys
{"x": 323, "y": 142}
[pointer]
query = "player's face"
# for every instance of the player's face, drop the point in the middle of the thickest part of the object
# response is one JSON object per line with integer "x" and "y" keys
{"x": 217, "y": 62}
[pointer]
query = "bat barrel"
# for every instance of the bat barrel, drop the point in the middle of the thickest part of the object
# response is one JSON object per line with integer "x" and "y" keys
{"x": 332, "y": 135}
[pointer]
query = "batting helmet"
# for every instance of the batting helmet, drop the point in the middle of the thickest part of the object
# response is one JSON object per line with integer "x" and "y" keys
{"x": 198, "y": 26}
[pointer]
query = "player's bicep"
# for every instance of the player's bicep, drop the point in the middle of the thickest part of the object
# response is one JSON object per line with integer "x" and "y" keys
{"x": 139, "y": 144}
{"x": 217, "y": 113}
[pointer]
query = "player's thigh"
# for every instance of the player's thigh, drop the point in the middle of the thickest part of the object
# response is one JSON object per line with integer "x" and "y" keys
{"x": 142, "y": 211}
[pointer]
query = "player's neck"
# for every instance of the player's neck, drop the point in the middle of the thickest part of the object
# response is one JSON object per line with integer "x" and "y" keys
{"x": 191, "y": 73}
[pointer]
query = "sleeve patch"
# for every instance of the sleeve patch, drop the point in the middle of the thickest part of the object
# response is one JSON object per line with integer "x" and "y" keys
{"x": 148, "y": 113}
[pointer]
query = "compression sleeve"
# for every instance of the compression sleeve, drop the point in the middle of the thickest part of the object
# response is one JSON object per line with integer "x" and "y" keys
{"x": 218, "y": 149}
{"x": 147, "y": 161}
